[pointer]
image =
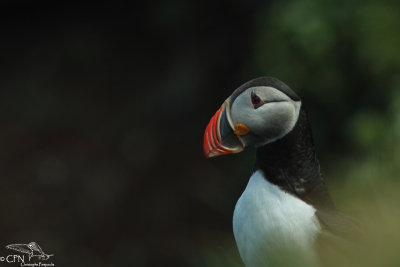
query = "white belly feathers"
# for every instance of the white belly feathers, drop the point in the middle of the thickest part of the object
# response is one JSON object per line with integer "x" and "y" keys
{"x": 272, "y": 227}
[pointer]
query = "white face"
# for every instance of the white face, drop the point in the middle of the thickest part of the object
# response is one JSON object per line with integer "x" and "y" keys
{"x": 271, "y": 119}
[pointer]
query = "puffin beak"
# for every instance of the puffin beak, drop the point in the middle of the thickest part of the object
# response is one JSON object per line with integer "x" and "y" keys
{"x": 220, "y": 137}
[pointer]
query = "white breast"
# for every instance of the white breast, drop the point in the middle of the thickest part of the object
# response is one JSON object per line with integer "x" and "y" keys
{"x": 272, "y": 227}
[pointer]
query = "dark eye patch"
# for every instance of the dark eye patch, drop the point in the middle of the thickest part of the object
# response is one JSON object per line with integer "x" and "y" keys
{"x": 256, "y": 100}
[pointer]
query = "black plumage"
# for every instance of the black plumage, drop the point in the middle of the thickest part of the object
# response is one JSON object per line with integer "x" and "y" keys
{"x": 291, "y": 163}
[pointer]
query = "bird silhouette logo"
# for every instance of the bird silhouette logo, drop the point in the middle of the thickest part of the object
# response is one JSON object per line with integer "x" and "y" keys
{"x": 32, "y": 249}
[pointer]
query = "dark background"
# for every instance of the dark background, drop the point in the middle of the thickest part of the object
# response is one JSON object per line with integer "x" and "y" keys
{"x": 103, "y": 109}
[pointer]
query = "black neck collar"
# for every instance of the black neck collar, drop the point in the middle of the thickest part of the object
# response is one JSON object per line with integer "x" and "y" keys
{"x": 291, "y": 164}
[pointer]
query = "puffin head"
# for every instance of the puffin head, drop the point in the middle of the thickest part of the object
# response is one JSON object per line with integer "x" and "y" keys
{"x": 259, "y": 112}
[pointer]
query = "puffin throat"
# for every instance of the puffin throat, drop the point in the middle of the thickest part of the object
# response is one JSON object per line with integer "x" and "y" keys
{"x": 291, "y": 164}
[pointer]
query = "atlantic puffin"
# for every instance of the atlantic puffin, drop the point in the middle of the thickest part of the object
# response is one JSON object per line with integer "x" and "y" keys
{"x": 285, "y": 209}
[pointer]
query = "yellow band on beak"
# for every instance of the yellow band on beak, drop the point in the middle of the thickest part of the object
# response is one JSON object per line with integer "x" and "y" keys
{"x": 241, "y": 129}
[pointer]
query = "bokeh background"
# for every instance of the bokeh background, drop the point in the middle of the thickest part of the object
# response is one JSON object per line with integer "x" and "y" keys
{"x": 103, "y": 109}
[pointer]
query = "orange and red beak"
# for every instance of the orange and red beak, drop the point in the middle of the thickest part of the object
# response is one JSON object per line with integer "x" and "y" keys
{"x": 220, "y": 137}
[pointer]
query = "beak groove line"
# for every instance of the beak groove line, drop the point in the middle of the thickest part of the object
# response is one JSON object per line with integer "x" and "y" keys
{"x": 212, "y": 145}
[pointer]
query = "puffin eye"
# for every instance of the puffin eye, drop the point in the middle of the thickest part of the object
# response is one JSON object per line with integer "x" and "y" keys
{"x": 256, "y": 100}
